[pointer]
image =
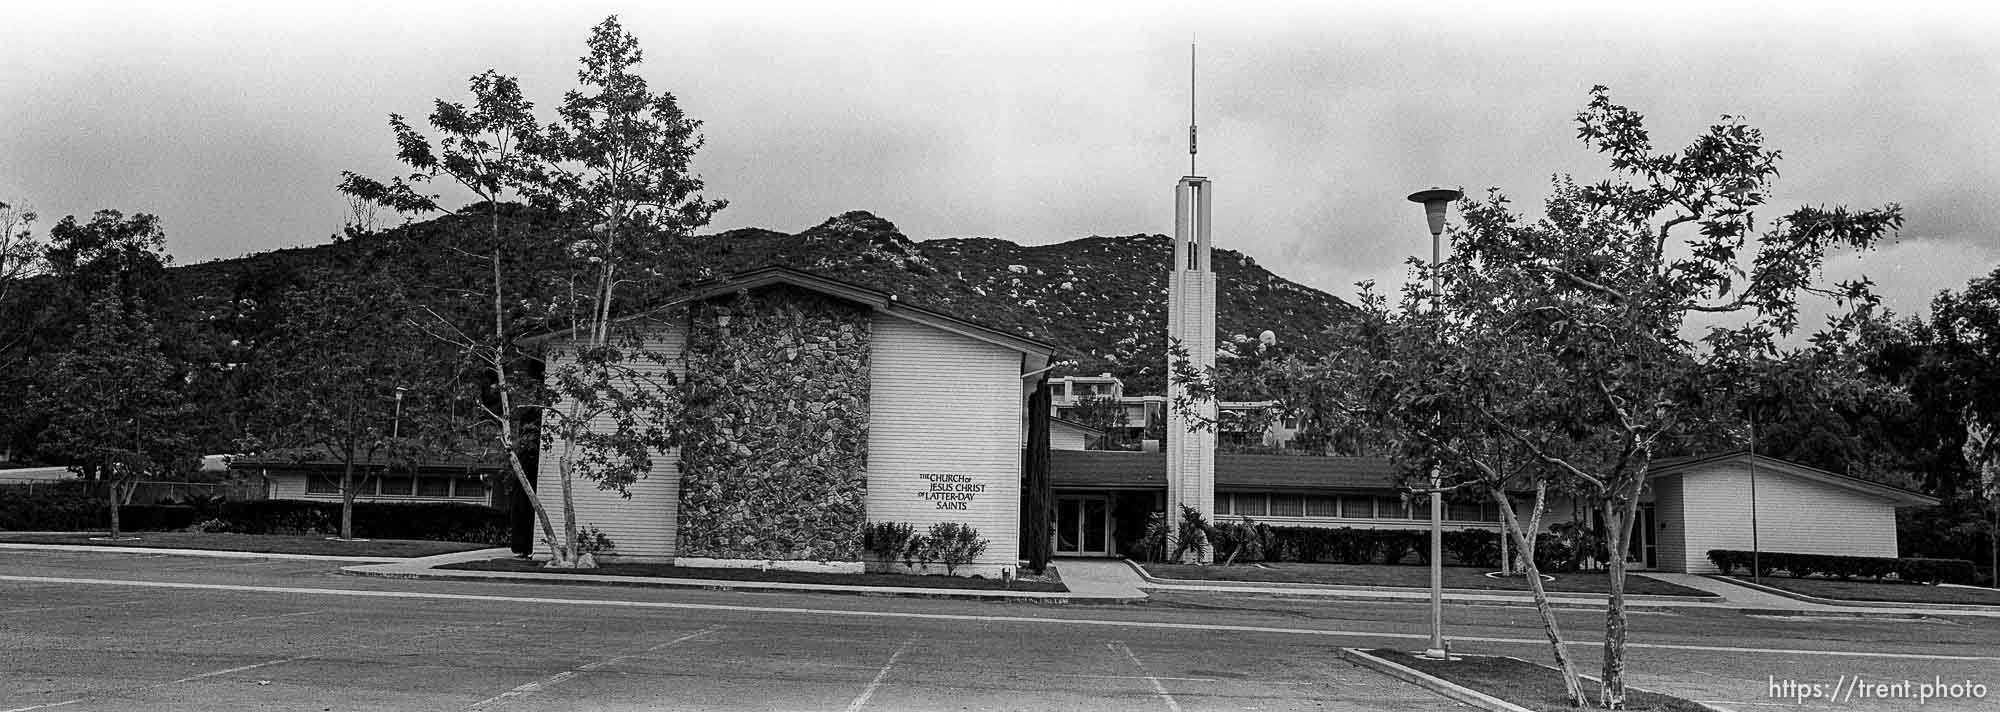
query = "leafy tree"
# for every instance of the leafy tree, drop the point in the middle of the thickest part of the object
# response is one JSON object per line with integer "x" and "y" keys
{"x": 21, "y": 257}
{"x": 111, "y": 252}
{"x": 344, "y": 376}
{"x": 1559, "y": 340}
{"x": 613, "y": 169}
{"x": 114, "y": 403}
{"x": 1102, "y": 413}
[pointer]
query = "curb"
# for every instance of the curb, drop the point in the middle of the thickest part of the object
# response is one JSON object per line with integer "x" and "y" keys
{"x": 1846, "y": 603}
{"x": 403, "y": 571}
{"x": 1451, "y": 690}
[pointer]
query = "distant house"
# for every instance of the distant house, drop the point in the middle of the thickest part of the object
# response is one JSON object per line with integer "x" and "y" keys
{"x": 1241, "y": 423}
{"x": 1690, "y": 506}
{"x": 467, "y": 481}
{"x": 1704, "y": 503}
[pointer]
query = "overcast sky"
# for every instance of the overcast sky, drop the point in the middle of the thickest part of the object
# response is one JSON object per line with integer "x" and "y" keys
{"x": 1035, "y": 123}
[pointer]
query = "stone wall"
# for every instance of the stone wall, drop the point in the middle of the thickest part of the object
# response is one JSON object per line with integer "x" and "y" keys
{"x": 774, "y": 465}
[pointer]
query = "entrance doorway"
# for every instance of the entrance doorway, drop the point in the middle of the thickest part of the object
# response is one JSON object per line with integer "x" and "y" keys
{"x": 1645, "y": 539}
{"x": 1083, "y": 525}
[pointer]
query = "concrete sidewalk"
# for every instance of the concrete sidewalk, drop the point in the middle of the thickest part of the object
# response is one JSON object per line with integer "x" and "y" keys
{"x": 1731, "y": 597}
{"x": 1093, "y": 581}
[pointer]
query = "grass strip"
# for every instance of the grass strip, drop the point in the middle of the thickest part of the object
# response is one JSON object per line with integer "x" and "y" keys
{"x": 1461, "y": 577}
{"x": 1051, "y": 585}
{"x": 256, "y": 543}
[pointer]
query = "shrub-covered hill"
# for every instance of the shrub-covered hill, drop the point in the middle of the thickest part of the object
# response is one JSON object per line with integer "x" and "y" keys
{"x": 1100, "y": 300}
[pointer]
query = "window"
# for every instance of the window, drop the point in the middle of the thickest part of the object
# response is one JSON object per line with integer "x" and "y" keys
{"x": 1357, "y": 507}
{"x": 1322, "y": 506}
{"x": 1391, "y": 508}
{"x": 400, "y": 486}
{"x": 1287, "y": 505}
{"x": 1251, "y": 505}
{"x": 433, "y": 487}
{"x": 1462, "y": 511}
{"x": 322, "y": 484}
{"x": 1222, "y": 504}
{"x": 468, "y": 488}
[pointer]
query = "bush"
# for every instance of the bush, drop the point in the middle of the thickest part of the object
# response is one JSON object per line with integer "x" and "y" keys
{"x": 59, "y": 507}
{"x": 1473, "y": 547}
{"x": 888, "y": 541}
{"x": 69, "y": 507}
{"x": 1915, "y": 570}
{"x": 1244, "y": 541}
{"x": 436, "y": 521}
{"x": 956, "y": 544}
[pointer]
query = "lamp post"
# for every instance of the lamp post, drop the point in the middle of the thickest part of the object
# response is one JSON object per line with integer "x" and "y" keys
{"x": 396, "y": 425}
{"x": 1436, "y": 201}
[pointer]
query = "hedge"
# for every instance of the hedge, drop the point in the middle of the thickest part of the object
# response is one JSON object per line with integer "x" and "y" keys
{"x": 1846, "y": 567}
{"x": 436, "y": 521}
{"x": 55, "y": 508}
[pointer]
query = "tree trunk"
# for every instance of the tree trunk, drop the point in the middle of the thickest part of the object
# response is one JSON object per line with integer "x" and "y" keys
{"x": 1619, "y": 512}
{"x": 347, "y": 498}
{"x": 1572, "y": 682}
{"x": 112, "y": 488}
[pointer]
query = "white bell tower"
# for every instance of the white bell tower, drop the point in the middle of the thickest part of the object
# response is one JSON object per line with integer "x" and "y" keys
{"x": 1191, "y": 321}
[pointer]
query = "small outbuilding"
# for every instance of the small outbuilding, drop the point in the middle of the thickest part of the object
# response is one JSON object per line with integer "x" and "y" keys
{"x": 1713, "y": 502}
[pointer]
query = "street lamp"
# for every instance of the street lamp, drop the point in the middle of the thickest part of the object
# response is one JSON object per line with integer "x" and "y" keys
{"x": 1435, "y": 201}
{"x": 396, "y": 426}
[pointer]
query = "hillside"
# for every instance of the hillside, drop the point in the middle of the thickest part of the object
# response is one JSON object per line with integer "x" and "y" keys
{"x": 1100, "y": 300}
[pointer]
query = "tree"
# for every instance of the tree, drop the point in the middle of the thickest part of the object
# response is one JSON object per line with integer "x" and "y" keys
{"x": 613, "y": 170}
{"x": 343, "y": 375}
{"x": 114, "y": 403}
{"x": 1100, "y": 413}
{"x": 1562, "y": 337}
{"x": 21, "y": 257}
{"x": 124, "y": 256}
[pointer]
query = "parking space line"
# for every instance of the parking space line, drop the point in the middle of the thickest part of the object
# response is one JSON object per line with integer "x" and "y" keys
{"x": 558, "y": 678}
{"x": 46, "y": 706}
{"x": 1159, "y": 688}
{"x": 852, "y": 613}
{"x": 254, "y": 618}
{"x": 205, "y": 675}
{"x": 861, "y": 701}
{"x": 11, "y": 611}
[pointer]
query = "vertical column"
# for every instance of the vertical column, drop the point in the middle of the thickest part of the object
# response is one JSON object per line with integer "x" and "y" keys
{"x": 1191, "y": 321}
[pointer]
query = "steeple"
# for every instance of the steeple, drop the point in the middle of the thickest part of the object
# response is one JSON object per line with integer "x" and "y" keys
{"x": 1191, "y": 322}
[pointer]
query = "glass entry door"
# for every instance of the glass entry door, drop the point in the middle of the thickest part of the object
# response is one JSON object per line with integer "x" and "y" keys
{"x": 1083, "y": 525}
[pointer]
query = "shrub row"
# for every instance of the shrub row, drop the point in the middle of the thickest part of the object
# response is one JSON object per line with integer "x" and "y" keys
{"x": 437, "y": 521}
{"x": 952, "y": 543}
{"x": 1846, "y": 567}
{"x": 71, "y": 509}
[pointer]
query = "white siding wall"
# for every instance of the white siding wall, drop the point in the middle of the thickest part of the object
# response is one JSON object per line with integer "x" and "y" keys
{"x": 945, "y": 404}
{"x": 1062, "y": 437}
{"x": 1794, "y": 515}
{"x": 642, "y": 528}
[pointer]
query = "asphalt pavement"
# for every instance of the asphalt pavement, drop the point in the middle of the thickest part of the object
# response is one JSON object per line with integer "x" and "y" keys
{"x": 112, "y": 631}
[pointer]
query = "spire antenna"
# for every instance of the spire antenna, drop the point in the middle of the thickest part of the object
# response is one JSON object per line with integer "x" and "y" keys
{"x": 1191, "y": 122}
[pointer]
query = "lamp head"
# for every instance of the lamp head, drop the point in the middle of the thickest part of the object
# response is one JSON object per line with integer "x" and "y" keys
{"x": 1435, "y": 201}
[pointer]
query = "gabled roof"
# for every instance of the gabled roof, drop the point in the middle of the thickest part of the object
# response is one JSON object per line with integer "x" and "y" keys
{"x": 310, "y": 459}
{"x": 1118, "y": 469}
{"x": 1682, "y": 466}
{"x": 1065, "y": 422}
{"x": 878, "y": 301}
